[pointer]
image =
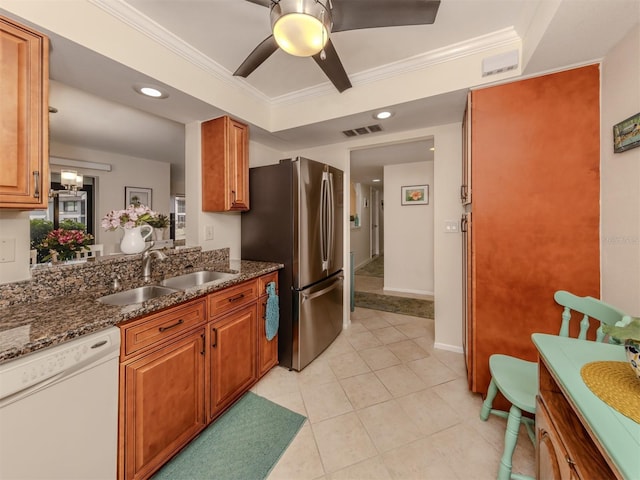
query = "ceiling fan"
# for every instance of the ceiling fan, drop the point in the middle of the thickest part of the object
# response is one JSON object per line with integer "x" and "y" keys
{"x": 303, "y": 28}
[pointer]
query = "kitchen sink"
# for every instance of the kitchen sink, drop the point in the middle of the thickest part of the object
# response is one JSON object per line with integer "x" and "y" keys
{"x": 194, "y": 279}
{"x": 137, "y": 295}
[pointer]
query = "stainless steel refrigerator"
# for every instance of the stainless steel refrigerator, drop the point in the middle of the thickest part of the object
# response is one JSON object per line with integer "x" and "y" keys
{"x": 296, "y": 219}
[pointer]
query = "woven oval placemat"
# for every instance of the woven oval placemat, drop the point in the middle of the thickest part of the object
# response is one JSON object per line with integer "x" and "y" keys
{"x": 616, "y": 385}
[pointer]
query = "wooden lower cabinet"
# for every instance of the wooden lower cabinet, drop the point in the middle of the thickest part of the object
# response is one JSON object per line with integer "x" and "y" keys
{"x": 267, "y": 349}
{"x": 233, "y": 357}
{"x": 182, "y": 367}
{"x": 165, "y": 403}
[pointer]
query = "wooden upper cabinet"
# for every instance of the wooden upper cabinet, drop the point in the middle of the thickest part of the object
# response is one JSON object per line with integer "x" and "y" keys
{"x": 225, "y": 165}
{"x": 24, "y": 117}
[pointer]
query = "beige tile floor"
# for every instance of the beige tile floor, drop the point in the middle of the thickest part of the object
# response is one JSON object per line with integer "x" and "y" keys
{"x": 382, "y": 403}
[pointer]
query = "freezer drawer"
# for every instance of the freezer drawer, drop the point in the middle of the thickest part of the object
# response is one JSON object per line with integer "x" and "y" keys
{"x": 319, "y": 319}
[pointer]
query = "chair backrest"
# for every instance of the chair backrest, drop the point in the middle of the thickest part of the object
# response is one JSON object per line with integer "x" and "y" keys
{"x": 587, "y": 307}
{"x": 94, "y": 251}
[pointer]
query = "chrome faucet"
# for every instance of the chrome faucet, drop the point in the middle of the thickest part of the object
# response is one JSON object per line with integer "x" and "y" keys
{"x": 146, "y": 262}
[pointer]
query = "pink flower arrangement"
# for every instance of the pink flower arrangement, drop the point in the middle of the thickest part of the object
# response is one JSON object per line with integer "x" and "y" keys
{"x": 131, "y": 217}
{"x": 65, "y": 243}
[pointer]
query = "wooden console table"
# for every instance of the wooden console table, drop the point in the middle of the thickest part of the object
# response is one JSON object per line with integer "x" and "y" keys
{"x": 578, "y": 434}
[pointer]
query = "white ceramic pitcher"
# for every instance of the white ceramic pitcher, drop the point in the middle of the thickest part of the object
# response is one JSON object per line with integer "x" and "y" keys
{"x": 133, "y": 240}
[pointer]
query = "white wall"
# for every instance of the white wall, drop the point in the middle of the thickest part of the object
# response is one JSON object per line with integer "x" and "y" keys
{"x": 408, "y": 259}
{"x": 620, "y": 178}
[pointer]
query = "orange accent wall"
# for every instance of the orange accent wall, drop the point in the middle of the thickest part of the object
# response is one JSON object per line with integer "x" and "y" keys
{"x": 536, "y": 208}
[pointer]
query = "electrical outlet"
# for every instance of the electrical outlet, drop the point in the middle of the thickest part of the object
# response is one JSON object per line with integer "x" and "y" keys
{"x": 7, "y": 250}
{"x": 208, "y": 232}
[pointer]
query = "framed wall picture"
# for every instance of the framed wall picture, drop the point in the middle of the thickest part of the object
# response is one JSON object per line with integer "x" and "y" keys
{"x": 137, "y": 196}
{"x": 626, "y": 134}
{"x": 415, "y": 195}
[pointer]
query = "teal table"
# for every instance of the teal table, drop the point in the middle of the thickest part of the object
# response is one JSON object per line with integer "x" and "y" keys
{"x": 617, "y": 436}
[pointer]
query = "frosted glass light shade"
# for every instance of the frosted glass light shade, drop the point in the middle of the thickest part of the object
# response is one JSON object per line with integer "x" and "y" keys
{"x": 68, "y": 178}
{"x": 300, "y": 34}
{"x": 300, "y": 27}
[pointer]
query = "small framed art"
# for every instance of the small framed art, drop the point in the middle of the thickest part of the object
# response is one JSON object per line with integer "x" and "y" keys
{"x": 137, "y": 196}
{"x": 415, "y": 195}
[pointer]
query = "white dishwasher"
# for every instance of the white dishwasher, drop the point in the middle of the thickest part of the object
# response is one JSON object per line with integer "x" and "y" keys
{"x": 59, "y": 411}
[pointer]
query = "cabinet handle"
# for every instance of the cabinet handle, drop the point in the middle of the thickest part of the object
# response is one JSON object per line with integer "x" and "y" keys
{"x": 233, "y": 197}
{"x": 463, "y": 224}
{"x": 463, "y": 192}
{"x": 203, "y": 344}
{"x": 569, "y": 461}
{"x": 236, "y": 298}
{"x": 164, "y": 329}
{"x": 36, "y": 184}
{"x": 264, "y": 309}
{"x": 215, "y": 337}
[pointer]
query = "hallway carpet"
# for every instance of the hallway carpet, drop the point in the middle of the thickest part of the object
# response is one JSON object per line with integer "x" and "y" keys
{"x": 374, "y": 268}
{"x": 389, "y": 303}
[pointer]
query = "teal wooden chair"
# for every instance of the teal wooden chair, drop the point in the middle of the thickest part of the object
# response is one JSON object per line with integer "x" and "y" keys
{"x": 517, "y": 379}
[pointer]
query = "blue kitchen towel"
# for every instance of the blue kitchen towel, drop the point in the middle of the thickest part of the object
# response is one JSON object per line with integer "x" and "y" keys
{"x": 272, "y": 316}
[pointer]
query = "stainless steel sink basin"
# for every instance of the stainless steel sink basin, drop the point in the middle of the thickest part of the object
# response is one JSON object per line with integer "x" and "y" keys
{"x": 194, "y": 279}
{"x": 136, "y": 295}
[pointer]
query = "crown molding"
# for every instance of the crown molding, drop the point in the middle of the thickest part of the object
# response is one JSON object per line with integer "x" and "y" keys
{"x": 121, "y": 10}
{"x": 132, "y": 17}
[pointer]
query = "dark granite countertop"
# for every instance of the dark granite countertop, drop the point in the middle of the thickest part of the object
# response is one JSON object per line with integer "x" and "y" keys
{"x": 28, "y": 327}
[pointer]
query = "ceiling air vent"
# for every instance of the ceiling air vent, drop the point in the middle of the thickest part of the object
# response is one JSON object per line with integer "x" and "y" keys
{"x": 362, "y": 130}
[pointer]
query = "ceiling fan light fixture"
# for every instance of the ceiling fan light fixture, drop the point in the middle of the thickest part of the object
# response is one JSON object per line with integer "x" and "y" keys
{"x": 301, "y": 27}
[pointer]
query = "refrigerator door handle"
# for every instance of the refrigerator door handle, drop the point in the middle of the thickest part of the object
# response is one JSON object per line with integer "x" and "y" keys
{"x": 324, "y": 247}
{"x": 307, "y": 296}
{"x": 330, "y": 221}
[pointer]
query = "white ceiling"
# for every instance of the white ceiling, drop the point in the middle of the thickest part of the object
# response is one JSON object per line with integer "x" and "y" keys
{"x": 97, "y": 107}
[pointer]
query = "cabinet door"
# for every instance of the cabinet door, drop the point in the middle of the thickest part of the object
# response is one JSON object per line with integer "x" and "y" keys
{"x": 225, "y": 165}
{"x": 238, "y": 168}
{"x": 233, "y": 357}
{"x": 164, "y": 403}
{"x": 267, "y": 349}
{"x": 24, "y": 117}
{"x": 551, "y": 457}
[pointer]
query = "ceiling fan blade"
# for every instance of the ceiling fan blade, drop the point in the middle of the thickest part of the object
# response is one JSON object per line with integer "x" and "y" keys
{"x": 332, "y": 67}
{"x": 357, "y": 14}
{"x": 255, "y": 58}
{"x": 264, "y": 3}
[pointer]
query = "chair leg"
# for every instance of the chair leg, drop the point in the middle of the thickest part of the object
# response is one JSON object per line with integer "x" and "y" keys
{"x": 510, "y": 439}
{"x": 488, "y": 402}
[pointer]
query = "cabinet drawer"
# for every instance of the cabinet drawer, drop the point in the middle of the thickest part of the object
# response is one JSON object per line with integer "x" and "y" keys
{"x": 232, "y": 297}
{"x": 264, "y": 280}
{"x": 156, "y": 327}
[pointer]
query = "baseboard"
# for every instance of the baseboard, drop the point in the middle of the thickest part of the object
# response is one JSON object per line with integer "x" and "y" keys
{"x": 448, "y": 348}
{"x": 402, "y": 290}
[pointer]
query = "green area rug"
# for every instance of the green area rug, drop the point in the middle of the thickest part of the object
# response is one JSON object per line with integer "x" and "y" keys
{"x": 243, "y": 444}
{"x": 375, "y": 268}
{"x": 390, "y": 303}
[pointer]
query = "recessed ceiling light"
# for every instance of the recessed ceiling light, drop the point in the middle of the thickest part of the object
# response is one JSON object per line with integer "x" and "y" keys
{"x": 375, "y": 180}
{"x": 150, "y": 91}
{"x": 382, "y": 115}
{"x": 433, "y": 149}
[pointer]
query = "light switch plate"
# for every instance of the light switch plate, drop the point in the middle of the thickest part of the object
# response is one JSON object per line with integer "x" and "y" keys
{"x": 451, "y": 226}
{"x": 7, "y": 250}
{"x": 208, "y": 232}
